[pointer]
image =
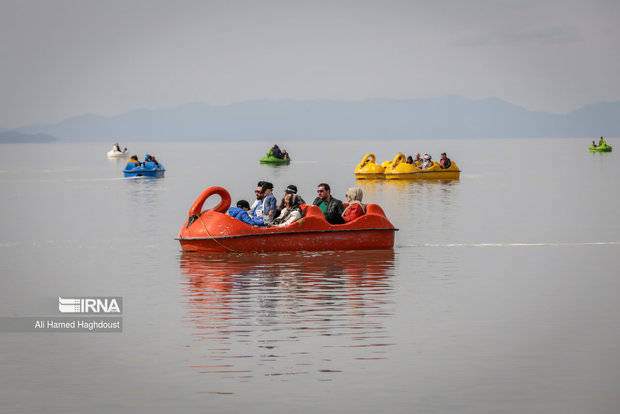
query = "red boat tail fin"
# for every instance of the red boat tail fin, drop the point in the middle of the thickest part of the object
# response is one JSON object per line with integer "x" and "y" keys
{"x": 374, "y": 209}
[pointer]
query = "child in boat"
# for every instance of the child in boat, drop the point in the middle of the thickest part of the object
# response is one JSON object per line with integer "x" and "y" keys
{"x": 241, "y": 212}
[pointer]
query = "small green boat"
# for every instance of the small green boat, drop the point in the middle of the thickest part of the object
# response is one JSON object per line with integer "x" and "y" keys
{"x": 602, "y": 147}
{"x": 270, "y": 159}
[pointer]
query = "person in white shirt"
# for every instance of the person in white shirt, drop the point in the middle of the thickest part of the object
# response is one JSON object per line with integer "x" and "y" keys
{"x": 290, "y": 214}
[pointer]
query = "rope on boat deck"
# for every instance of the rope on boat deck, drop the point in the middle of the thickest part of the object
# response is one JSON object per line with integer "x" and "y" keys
{"x": 214, "y": 239}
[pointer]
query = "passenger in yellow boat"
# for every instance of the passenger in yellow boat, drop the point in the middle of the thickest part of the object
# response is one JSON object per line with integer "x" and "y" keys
{"x": 417, "y": 160}
{"x": 593, "y": 144}
{"x": 444, "y": 162}
{"x": 355, "y": 208}
{"x": 410, "y": 160}
{"x": 427, "y": 163}
{"x": 134, "y": 159}
{"x": 601, "y": 142}
{"x": 290, "y": 214}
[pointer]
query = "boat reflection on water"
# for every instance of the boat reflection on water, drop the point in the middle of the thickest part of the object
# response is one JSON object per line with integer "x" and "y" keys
{"x": 301, "y": 306}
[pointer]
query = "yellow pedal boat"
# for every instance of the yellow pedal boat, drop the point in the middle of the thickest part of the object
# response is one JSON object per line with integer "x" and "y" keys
{"x": 399, "y": 169}
{"x": 368, "y": 169}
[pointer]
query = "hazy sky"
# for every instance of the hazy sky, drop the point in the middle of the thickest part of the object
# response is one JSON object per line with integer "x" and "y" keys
{"x": 62, "y": 58}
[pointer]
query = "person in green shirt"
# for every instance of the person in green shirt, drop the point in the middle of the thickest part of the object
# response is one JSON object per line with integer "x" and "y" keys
{"x": 332, "y": 208}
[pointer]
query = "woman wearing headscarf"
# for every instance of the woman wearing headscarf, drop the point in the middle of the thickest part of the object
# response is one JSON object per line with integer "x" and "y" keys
{"x": 355, "y": 208}
{"x": 290, "y": 214}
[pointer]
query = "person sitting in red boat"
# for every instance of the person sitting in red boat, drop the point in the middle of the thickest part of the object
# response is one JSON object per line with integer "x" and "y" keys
{"x": 291, "y": 189}
{"x": 256, "y": 211}
{"x": 290, "y": 214}
{"x": 444, "y": 162}
{"x": 263, "y": 211}
{"x": 355, "y": 208}
{"x": 241, "y": 212}
{"x": 270, "y": 204}
{"x": 257, "y": 192}
{"x": 332, "y": 208}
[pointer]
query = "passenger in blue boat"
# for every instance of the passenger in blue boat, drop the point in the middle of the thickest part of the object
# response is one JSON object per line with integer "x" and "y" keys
{"x": 134, "y": 160}
{"x": 355, "y": 208}
{"x": 270, "y": 204}
{"x": 241, "y": 212}
{"x": 331, "y": 207}
{"x": 444, "y": 162}
{"x": 290, "y": 214}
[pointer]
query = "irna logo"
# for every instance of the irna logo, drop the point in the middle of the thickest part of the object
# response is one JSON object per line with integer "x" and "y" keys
{"x": 90, "y": 305}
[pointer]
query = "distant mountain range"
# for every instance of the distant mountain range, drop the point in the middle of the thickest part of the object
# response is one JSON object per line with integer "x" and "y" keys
{"x": 16, "y": 137}
{"x": 444, "y": 117}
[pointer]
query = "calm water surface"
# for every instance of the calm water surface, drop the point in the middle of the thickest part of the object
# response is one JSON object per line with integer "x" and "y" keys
{"x": 501, "y": 295}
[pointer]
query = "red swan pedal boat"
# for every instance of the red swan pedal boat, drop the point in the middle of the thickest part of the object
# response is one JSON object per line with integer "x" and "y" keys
{"x": 214, "y": 231}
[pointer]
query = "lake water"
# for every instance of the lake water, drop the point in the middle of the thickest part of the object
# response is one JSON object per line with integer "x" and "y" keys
{"x": 501, "y": 295}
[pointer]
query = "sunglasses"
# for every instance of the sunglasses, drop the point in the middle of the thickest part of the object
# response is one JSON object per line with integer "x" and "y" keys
{"x": 320, "y": 191}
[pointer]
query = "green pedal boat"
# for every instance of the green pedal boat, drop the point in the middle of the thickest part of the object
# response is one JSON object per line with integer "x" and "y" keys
{"x": 602, "y": 147}
{"x": 270, "y": 159}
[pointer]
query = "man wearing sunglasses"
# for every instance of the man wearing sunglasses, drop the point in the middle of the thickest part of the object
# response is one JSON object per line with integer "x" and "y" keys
{"x": 256, "y": 211}
{"x": 332, "y": 208}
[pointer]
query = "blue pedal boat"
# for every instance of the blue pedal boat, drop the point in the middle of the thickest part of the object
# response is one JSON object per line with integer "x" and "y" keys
{"x": 146, "y": 169}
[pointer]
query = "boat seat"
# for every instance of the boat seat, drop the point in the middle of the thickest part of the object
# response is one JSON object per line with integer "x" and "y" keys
{"x": 311, "y": 211}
